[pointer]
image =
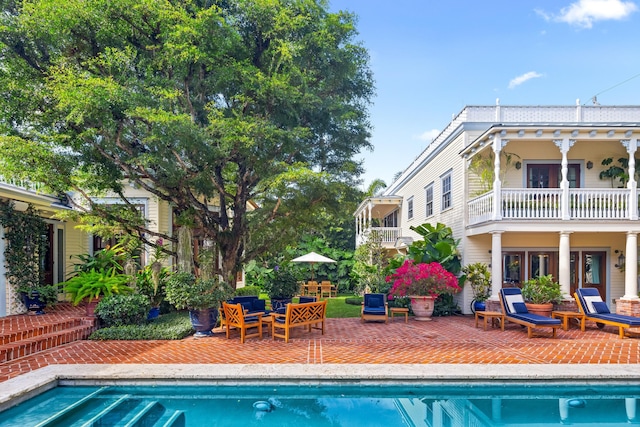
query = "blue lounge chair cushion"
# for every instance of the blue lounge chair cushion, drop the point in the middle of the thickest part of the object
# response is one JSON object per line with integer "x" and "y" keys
{"x": 247, "y": 306}
{"x": 520, "y": 307}
{"x": 535, "y": 319}
{"x": 601, "y": 307}
{"x": 374, "y": 301}
{"x": 307, "y": 300}
{"x": 375, "y": 310}
{"x": 619, "y": 318}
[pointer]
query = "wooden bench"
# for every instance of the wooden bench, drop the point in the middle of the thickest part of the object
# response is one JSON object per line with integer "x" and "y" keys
{"x": 309, "y": 315}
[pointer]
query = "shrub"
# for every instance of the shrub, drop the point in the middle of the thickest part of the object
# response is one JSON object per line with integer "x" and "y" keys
{"x": 119, "y": 310}
{"x": 248, "y": 290}
{"x": 173, "y": 326}
{"x": 354, "y": 300}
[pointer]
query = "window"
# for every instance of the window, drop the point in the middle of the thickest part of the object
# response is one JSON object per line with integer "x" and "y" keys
{"x": 429, "y": 199}
{"x": 550, "y": 175}
{"x": 391, "y": 220}
{"x": 446, "y": 191}
{"x": 410, "y": 208}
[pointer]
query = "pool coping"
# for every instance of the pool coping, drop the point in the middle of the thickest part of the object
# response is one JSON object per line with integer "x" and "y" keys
{"x": 25, "y": 386}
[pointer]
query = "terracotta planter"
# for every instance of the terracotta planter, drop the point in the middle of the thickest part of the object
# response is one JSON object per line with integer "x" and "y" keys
{"x": 540, "y": 309}
{"x": 90, "y": 306}
{"x": 422, "y": 307}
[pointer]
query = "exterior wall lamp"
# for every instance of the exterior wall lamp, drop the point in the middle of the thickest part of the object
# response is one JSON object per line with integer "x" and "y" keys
{"x": 620, "y": 263}
{"x": 518, "y": 165}
{"x": 589, "y": 164}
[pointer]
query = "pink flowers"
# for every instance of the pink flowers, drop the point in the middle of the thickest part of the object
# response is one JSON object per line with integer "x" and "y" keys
{"x": 422, "y": 279}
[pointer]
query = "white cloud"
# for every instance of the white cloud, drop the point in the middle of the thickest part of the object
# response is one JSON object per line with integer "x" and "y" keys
{"x": 584, "y": 13}
{"x": 429, "y": 135}
{"x": 523, "y": 78}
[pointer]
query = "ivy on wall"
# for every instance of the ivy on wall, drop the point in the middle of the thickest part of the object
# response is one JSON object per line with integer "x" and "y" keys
{"x": 26, "y": 243}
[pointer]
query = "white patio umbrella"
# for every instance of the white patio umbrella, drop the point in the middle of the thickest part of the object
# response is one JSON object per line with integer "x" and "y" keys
{"x": 312, "y": 258}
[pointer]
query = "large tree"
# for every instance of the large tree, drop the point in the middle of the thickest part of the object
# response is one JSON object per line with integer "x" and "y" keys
{"x": 200, "y": 102}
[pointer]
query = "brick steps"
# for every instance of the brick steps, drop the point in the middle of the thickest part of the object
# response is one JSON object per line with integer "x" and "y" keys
{"x": 25, "y": 335}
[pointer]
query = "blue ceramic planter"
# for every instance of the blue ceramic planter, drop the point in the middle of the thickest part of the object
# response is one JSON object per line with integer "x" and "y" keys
{"x": 203, "y": 321}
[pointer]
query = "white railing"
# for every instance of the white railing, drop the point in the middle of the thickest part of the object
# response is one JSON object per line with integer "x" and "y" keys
{"x": 546, "y": 203}
{"x": 481, "y": 208}
{"x": 599, "y": 204}
{"x": 525, "y": 203}
{"x": 386, "y": 234}
{"x": 23, "y": 183}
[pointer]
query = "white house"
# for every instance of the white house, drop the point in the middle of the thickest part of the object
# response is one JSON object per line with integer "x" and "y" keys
{"x": 521, "y": 188}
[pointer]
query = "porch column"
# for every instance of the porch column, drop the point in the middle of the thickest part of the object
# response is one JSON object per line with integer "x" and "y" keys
{"x": 564, "y": 264}
{"x": 498, "y": 145}
{"x": 369, "y": 209}
{"x": 564, "y": 145}
{"x": 632, "y": 145}
{"x": 631, "y": 267}
{"x": 496, "y": 263}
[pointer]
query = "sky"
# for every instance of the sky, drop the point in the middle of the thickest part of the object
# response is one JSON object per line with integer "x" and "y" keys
{"x": 431, "y": 58}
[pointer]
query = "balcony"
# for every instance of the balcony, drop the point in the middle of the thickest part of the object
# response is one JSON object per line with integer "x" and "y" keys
{"x": 387, "y": 235}
{"x": 547, "y": 204}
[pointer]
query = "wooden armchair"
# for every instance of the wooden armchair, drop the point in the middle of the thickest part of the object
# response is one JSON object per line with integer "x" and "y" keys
{"x": 236, "y": 318}
{"x": 326, "y": 288}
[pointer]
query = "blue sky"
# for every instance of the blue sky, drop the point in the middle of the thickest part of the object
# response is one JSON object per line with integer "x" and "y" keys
{"x": 430, "y": 58}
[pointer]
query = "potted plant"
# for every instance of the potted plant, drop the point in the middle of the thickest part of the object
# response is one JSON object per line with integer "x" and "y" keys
{"x": 201, "y": 297}
{"x": 90, "y": 286}
{"x": 423, "y": 283}
{"x": 282, "y": 287}
{"x": 479, "y": 278}
{"x": 540, "y": 293}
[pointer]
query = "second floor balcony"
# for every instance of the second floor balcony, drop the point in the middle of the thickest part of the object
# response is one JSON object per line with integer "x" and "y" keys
{"x": 554, "y": 204}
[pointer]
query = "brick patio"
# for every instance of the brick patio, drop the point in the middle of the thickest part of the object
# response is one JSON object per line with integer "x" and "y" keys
{"x": 446, "y": 340}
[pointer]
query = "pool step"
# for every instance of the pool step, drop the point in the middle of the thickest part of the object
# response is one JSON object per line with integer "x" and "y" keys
{"x": 99, "y": 409}
{"x": 23, "y": 335}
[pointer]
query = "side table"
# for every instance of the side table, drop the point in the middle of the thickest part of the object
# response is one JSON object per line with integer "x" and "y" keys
{"x": 399, "y": 310}
{"x": 566, "y": 315}
{"x": 493, "y": 315}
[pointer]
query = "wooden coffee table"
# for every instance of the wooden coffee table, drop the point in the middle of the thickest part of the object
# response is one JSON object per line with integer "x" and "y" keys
{"x": 495, "y": 316}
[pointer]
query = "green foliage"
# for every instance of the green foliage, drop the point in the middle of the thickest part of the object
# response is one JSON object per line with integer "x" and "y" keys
{"x": 479, "y": 278}
{"x": 25, "y": 246}
{"x": 617, "y": 172}
{"x": 94, "y": 284}
{"x": 172, "y": 326}
{"x": 196, "y": 102}
{"x": 437, "y": 245}
{"x": 119, "y": 310}
{"x": 483, "y": 167}
{"x": 47, "y": 294}
{"x": 285, "y": 283}
{"x": 248, "y": 290}
{"x": 445, "y": 305}
{"x": 541, "y": 290}
{"x": 354, "y": 300}
{"x": 183, "y": 290}
{"x": 258, "y": 275}
{"x": 369, "y": 268}
{"x": 112, "y": 257}
{"x": 150, "y": 281}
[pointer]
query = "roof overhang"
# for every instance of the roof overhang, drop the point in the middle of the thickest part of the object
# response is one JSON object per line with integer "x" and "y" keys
{"x": 380, "y": 204}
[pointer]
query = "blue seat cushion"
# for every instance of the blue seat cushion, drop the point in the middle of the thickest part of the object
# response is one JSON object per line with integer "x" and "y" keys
{"x": 520, "y": 307}
{"x": 535, "y": 319}
{"x": 375, "y": 310}
{"x": 601, "y": 307}
{"x": 619, "y": 318}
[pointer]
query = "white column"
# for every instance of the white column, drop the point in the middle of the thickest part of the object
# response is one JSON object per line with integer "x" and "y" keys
{"x": 632, "y": 145}
{"x": 498, "y": 143}
{"x": 369, "y": 209}
{"x": 631, "y": 267}
{"x": 564, "y": 145}
{"x": 564, "y": 264}
{"x": 496, "y": 263}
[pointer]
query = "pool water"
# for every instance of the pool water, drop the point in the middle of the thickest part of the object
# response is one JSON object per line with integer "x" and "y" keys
{"x": 310, "y": 406}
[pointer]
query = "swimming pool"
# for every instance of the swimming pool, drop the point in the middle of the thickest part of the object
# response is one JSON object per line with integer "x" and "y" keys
{"x": 323, "y": 405}
{"x": 323, "y": 395}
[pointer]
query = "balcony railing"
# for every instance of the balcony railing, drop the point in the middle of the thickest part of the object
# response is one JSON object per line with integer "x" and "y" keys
{"x": 23, "y": 183}
{"x": 388, "y": 235}
{"x": 546, "y": 203}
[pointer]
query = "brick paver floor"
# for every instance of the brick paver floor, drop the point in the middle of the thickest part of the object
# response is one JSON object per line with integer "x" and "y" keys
{"x": 443, "y": 340}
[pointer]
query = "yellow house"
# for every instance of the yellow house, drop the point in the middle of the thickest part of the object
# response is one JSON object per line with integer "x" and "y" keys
{"x": 521, "y": 188}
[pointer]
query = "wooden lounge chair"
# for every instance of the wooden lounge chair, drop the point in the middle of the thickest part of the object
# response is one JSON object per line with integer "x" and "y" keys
{"x": 591, "y": 305}
{"x": 236, "y": 318}
{"x": 374, "y": 307}
{"x": 515, "y": 311}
